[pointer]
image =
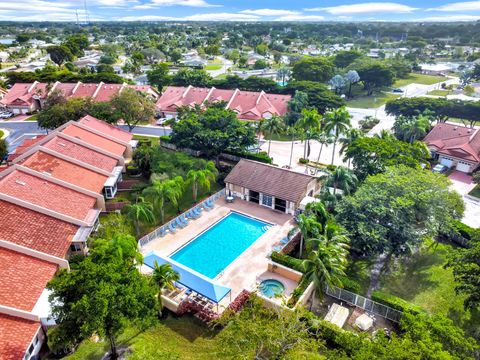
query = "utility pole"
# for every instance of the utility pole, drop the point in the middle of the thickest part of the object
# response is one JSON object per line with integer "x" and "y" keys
{"x": 78, "y": 22}
{"x": 87, "y": 20}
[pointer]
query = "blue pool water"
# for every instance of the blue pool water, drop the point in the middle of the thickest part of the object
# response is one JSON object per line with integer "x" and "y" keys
{"x": 213, "y": 250}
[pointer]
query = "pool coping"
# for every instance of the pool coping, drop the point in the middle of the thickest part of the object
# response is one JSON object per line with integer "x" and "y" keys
{"x": 211, "y": 226}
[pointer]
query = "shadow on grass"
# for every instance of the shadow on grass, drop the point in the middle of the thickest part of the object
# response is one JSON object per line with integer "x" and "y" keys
{"x": 189, "y": 327}
{"x": 414, "y": 275}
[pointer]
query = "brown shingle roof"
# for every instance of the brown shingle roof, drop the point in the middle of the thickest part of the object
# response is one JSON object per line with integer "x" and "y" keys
{"x": 271, "y": 180}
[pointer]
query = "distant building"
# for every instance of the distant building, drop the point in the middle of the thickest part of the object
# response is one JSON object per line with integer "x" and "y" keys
{"x": 248, "y": 105}
{"x": 25, "y": 98}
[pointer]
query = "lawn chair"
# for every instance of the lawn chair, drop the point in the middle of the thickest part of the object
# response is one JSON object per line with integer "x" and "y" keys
{"x": 184, "y": 219}
{"x": 179, "y": 223}
{"x": 206, "y": 206}
{"x": 285, "y": 240}
{"x": 172, "y": 228}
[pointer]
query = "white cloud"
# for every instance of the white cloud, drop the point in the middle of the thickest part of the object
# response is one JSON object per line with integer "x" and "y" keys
{"x": 270, "y": 12}
{"x": 34, "y": 6}
{"x": 459, "y": 6}
{"x": 191, "y": 3}
{"x": 222, "y": 17}
{"x": 300, "y": 18}
{"x": 365, "y": 8}
{"x": 448, "y": 18}
{"x": 146, "y": 18}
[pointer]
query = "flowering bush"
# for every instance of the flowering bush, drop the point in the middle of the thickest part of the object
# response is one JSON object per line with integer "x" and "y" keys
{"x": 239, "y": 301}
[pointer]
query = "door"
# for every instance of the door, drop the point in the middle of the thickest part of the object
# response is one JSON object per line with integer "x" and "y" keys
{"x": 446, "y": 162}
{"x": 280, "y": 204}
{"x": 254, "y": 196}
{"x": 463, "y": 167}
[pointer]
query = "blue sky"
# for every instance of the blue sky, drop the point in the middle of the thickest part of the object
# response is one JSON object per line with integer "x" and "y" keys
{"x": 241, "y": 10}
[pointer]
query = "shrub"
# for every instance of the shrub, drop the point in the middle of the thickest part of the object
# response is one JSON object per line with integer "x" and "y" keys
{"x": 165, "y": 138}
{"x": 286, "y": 260}
{"x": 395, "y": 302}
{"x": 351, "y": 285}
{"x": 331, "y": 168}
{"x": 298, "y": 291}
{"x": 303, "y": 161}
{"x": 239, "y": 301}
{"x": 368, "y": 122}
{"x": 460, "y": 233}
{"x": 133, "y": 170}
{"x": 261, "y": 156}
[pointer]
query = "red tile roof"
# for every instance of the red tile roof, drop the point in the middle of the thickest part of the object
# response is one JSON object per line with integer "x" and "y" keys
{"x": 248, "y": 105}
{"x": 66, "y": 171}
{"x": 455, "y": 140}
{"x": 105, "y": 128}
{"x": 46, "y": 194}
{"x": 94, "y": 139}
{"x": 81, "y": 153}
{"x": 24, "y": 146}
{"x": 15, "y": 336}
{"x": 20, "y": 95}
{"x": 34, "y": 230}
{"x": 23, "y": 279}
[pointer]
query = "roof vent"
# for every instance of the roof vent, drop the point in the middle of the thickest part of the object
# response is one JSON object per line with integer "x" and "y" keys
{"x": 78, "y": 137}
{"x": 455, "y": 128}
{"x": 20, "y": 182}
{"x": 62, "y": 144}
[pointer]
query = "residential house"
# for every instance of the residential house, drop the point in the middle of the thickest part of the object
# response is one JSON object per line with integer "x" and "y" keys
{"x": 455, "y": 146}
{"x": 270, "y": 186}
{"x": 249, "y": 105}
{"x": 50, "y": 200}
{"x": 25, "y": 98}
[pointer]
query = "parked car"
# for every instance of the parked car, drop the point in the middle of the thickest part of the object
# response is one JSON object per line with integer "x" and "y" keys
{"x": 440, "y": 168}
{"x": 397, "y": 90}
{"x": 6, "y": 114}
{"x": 161, "y": 121}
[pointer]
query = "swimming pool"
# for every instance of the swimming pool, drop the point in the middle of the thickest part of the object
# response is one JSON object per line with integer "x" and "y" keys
{"x": 213, "y": 250}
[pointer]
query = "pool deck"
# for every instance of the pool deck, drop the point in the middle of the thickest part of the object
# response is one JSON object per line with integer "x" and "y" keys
{"x": 252, "y": 265}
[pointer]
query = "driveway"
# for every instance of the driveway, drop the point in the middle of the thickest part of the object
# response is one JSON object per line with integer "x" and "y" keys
{"x": 463, "y": 184}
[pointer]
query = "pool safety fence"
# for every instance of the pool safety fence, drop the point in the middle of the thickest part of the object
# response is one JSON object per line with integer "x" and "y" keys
{"x": 364, "y": 303}
{"x": 165, "y": 228}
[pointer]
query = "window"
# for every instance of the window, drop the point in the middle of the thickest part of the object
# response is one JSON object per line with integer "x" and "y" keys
{"x": 267, "y": 200}
{"x": 75, "y": 247}
{"x": 108, "y": 192}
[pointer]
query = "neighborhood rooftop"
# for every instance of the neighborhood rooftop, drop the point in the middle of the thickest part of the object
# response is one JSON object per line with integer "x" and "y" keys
{"x": 248, "y": 105}
{"x": 51, "y": 195}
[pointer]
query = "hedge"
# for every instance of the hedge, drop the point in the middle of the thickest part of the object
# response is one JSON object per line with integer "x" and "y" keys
{"x": 165, "y": 138}
{"x": 395, "y": 302}
{"x": 460, "y": 233}
{"x": 351, "y": 285}
{"x": 286, "y": 260}
{"x": 261, "y": 156}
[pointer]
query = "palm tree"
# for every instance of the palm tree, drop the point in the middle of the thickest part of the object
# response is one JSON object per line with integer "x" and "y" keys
{"x": 337, "y": 122}
{"x": 156, "y": 194}
{"x": 164, "y": 277}
{"x": 309, "y": 123}
{"x": 291, "y": 130}
{"x": 282, "y": 73}
{"x": 140, "y": 212}
{"x": 325, "y": 266}
{"x": 333, "y": 234}
{"x": 323, "y": 138}
{"x": 309, "y": 228}
{"x": 348, "y": 138}
{"x": 341, "y": 178}
{"x": 272, "y": 126}
{"x": 202, "y": 178}
{"x": 174, "y": 190}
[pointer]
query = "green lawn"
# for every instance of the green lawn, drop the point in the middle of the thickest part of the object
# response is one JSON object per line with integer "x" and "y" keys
{"x": 374, "y": 101}
{"x": 422, "y": 280}
{"x": 279, "y": 137}
{"x": 213, "y": 67}
{"x": 174, "y": 338}
{"x": 34, "y": 117}
{"x": 475, "y": 192}
{"x": 439, "y": 92}
{"x": 415, "y": 78}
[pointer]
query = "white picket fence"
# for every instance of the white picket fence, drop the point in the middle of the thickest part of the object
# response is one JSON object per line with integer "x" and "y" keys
{"x": 164, "y": 228}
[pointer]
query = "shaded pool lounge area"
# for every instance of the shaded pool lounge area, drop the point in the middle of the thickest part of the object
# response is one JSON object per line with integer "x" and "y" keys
{"x": 190, "y": 278}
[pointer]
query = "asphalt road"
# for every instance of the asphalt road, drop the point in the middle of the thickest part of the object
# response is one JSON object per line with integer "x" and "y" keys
{"x": 20, "y": 130}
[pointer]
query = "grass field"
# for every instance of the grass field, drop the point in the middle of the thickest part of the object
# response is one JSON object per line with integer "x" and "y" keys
{"x": 475, "y": 192}
{"x": 439, "y": 92}
{"x": 279, "y": 137}
{"x": 174, "y": 338}
{"x": 415, "y": 78}
{"x": 373, "y": 101}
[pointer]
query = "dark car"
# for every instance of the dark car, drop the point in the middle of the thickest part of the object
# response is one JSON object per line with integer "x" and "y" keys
{"x": 397, "y": 90}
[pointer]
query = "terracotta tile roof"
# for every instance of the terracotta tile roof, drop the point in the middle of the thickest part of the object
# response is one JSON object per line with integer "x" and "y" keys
{"x": 271, "y": 180}
{"x": 82, "y": 153}
{"x": 66, "y": 171}
{"x": 15, "y": 336}
{"x": 455, "y": 140}
{"x": 85, "y": 90}
{"x": 24, "y": 146}
{"x": 34, "y": 230}
{"x": 249, "y": 105}
{"x": 107, "y": 91}
{"x": 66, "y": 88}
{"x": 23, "y": 279}
{"x": 108, "y": 129}
{"x": 94, "y": 139}
{"x": 46, "y": 194}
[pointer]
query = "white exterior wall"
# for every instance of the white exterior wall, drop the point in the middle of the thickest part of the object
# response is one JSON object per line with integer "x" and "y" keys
{"x": 460, "y": 165}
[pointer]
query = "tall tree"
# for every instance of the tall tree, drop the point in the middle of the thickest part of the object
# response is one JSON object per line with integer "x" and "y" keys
{"x": 341, "y": 178}
{"x": 272, "y": 126}
{"x": 337, "y": 122}
{"x": 411, "y": 129}
{"x": 164, "y": 277}
{"x": 202, "y": 178}
{"x": 313, "y": 69}
{"x": 133, "y": 107}
{"x": 373, "y": 74}
{"x": 140, "y": 212}
{"x": 101, "y": 294}
{"x": 394, "y": 211}
{"x": 308, "y": 124}
{"x": 158, "y": 75}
